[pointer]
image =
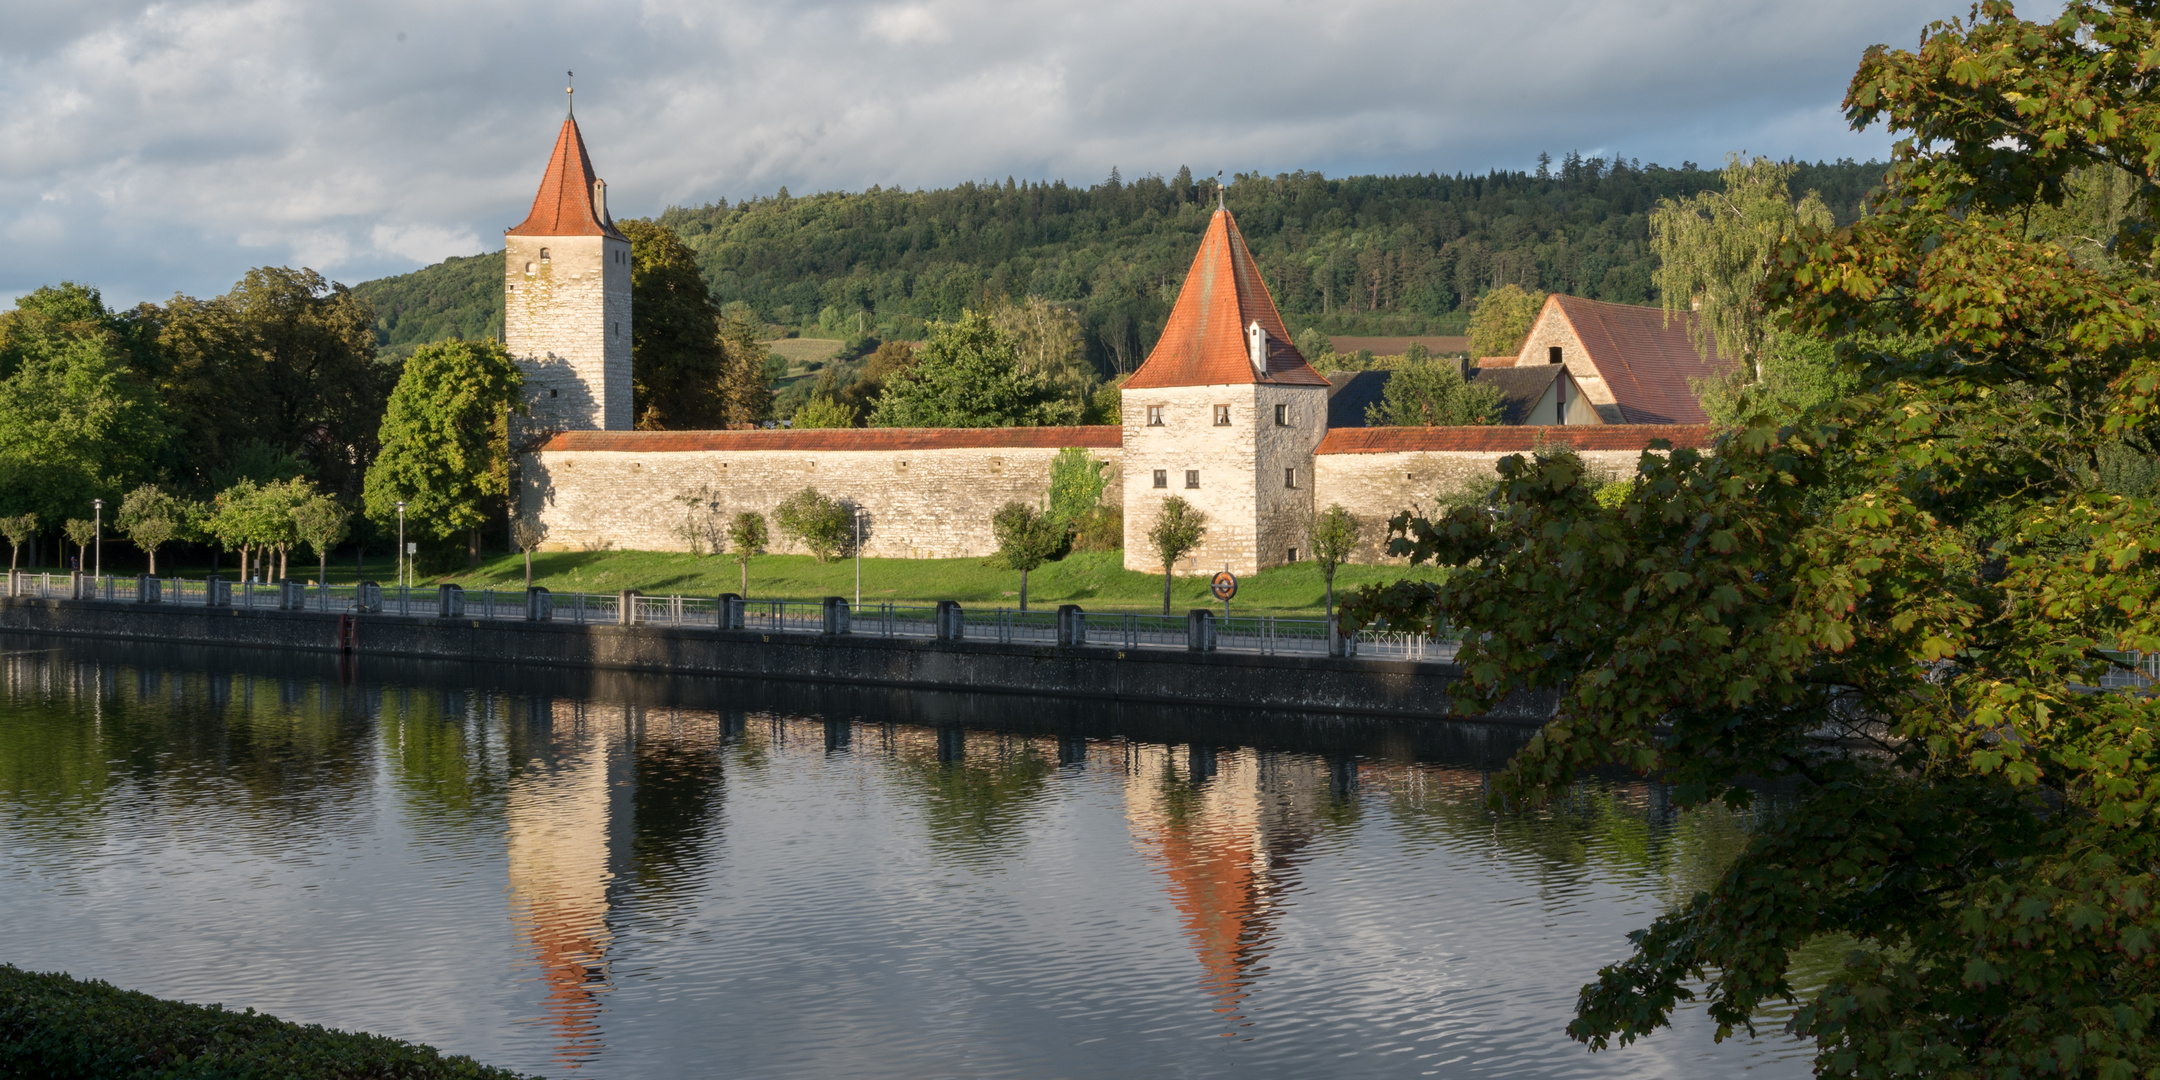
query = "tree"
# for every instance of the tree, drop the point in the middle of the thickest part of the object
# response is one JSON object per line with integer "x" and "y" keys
{"x": 1051, "y": 345}
{"x": 80, "y": 532}
{"x": 76, "y": 423}
{"x": 890, "y": 359}
{"x": 1077, "y": 484}
{"x": 969, "y": 375}
{"x": 442, "y": 444}
{"x": 1928, "y": 567}
{"x": 745, "y": 381}
{"x": 1502, "y": 318}
{"x": 677, "y": 360}
{"x": 1332, "y": 537}
{"x": 746, "y": 537}
{"x": 287, "y": 358}
{"x": 1715, "y": 250}
{"x": 527, "y": 531}
{"x": 1026, "y": 539}
{"x": 822, "y": 411}
{"x": 1178, "y": 529}
{"x": 815, "y": 522}
{"x": 18, "y": 530}
{"x": 321, "y": 522}
{"x": 1317, "y": 349}
{"x": 151, "y": 519}
{"x": 1433, "y": 393}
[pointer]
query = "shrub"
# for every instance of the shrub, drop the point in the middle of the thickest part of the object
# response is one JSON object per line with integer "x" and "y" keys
{"x": 815, "y": 522}
{"x": 55, "y": 1026}
{"x": 1100, "y": 529}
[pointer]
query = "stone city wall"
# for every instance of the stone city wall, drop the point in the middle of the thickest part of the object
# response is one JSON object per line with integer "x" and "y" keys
{"x": 1376, "y": 473}
{"x": 928, "y": 493}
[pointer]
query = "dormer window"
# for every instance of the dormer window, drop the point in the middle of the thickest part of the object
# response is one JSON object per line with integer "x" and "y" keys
{"x": 1256, "y": 347}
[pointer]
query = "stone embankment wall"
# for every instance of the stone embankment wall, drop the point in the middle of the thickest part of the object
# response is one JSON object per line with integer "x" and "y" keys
{"x": 927, "y": 493}
{"x": 1307, "y": 684}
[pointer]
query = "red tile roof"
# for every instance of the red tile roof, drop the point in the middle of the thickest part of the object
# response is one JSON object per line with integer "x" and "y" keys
{"x": 1204, "y": 342}
{"x": 1098, "y": 436}
{"x": 564, "y": 206}
{"x": 1503, "y": 439}
{"x": 1647, "y": 362}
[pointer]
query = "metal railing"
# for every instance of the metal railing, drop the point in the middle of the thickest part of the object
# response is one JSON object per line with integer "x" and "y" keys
{"x": 1262, "y": 634}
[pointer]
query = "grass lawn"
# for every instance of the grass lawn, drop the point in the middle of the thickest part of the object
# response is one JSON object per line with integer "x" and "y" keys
{"x": 1094, "y": 580}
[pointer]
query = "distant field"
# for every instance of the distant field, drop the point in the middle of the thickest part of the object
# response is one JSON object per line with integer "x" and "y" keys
{"x": 1396, "y": 346}
{"x": 800, "y": 352}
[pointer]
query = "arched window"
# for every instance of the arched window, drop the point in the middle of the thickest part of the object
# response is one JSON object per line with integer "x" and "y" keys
{"x": 543, "y": 255}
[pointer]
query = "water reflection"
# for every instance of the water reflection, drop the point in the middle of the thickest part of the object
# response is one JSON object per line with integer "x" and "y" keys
{"x": 584, "y": 874}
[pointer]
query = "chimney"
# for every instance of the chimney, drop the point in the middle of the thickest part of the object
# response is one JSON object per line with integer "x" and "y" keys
{"x": 599, "y": 200}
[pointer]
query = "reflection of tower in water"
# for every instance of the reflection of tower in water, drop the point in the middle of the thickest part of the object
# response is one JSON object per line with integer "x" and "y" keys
{"x": 1222, "y": 827}
{"x": 607, "y": 793}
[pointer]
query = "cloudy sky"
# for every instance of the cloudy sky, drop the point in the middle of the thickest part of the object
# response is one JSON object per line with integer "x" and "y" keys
{"x": 167, "y": 147}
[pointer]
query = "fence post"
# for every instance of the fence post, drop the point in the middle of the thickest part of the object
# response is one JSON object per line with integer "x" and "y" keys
{"x": 951, "y": 621}
{"x": 836, "y": 615}
{"x": 626, "y": 607}
{"x": 731, "y": 611}
{"x": 1200, "y": 630}
{"x": 449, "y": 602}
{"x": 539, "y": 605}
{"x": 1071, "y": 626}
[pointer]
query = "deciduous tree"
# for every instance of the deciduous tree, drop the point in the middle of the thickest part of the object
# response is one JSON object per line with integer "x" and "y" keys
{"x": 151, "y": 519}
{"x": 1179, "y": 527}
{"x": 321, "y": 522}
{"x": 1928, "y": 567}
{"x": 1026, "y": 539}
{"x": 815, "y": 521}
{"x": 1502, "y": 318}
{"x": 442, "y": 440}
{"x": 1332, "y": 537}
{"x": 18, "y": 530}
{"x": 969, "y": 375}
{"x": 1433, "y": 393}
{"x": 746, "y": 537}
{"x": 677, "y": 359}
{"x": 1716, "y": 249}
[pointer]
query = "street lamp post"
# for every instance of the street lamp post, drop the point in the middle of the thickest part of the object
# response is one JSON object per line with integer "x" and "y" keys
{"x": 97, "y": 522}
{"x": 401, "y": 543}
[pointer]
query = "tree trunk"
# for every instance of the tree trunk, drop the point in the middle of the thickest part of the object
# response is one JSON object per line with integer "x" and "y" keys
{"x": 322, "y": 568}
{"x": 1023, "y": 590}
{"x": 528, "y": 569}
{"x": 1166, "y": 589}
{"x": 284, "y": 562}
{"x": 745, "y": 564}
{"x": 153, "y": 562}
{"x": 472, "y": 547}
{"x": 243, "y": 562}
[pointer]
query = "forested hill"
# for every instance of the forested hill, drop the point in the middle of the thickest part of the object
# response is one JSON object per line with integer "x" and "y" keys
{"x": 1366, "y": 255}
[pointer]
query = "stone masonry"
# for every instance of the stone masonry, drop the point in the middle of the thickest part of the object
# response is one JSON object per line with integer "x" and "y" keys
{"x": 567, "y": 322}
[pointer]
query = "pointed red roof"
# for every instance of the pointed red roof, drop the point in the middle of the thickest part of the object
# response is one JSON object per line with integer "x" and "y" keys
{"x": 1204, "y": 342}
{"x": 564, "y": 206}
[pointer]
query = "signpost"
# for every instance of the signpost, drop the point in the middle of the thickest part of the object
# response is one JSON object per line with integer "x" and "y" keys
{"x": 1224, "y": 587}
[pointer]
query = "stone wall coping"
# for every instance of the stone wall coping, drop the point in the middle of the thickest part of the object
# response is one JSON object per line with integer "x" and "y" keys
{"x": 1495, "y": 438}
{"x": 1094, "y": 437}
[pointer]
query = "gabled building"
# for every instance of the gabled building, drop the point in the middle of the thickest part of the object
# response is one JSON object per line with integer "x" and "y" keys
{"x": 1634, "y": 365}
{"x": 1224, "y": 413}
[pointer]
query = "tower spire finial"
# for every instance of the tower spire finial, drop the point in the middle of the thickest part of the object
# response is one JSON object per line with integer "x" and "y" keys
{"x": 571, "y": 78}
{"x": 1218, "y": 191}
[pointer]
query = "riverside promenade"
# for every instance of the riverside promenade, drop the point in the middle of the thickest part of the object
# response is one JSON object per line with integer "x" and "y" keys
{"x": 1198, "y": 658}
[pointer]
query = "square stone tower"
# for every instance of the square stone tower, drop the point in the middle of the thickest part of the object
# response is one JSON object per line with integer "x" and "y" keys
{"x": 566, "y": 293}
{"x": 1225, "y": 414}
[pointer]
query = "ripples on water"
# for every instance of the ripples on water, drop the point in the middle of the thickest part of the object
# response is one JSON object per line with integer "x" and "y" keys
{"x": 613, "y": 876}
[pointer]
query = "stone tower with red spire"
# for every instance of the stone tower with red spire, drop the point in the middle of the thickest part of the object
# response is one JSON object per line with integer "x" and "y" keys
{"x": 1225, "y": 414}
{"x": 566, "y": 282}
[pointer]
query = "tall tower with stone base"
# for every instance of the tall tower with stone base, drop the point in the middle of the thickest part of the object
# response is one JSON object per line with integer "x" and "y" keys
{"x": 1225, "y": 414}
{"x": 566, "y": 292}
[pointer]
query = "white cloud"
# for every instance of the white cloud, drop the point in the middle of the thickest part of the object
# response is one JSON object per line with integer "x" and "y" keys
{"x": 169, "y": 146}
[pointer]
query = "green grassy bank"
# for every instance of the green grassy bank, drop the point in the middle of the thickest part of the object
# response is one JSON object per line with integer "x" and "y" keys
{"x": 1095, "y": 580}
{"x": 69, "y": 1029}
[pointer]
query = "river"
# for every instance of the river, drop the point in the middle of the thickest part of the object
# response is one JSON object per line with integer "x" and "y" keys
{"x": 596, "y": 875}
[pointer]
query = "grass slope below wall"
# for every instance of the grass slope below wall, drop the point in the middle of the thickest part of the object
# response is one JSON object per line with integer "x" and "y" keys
{"x": 55, "y": 1026}
{"x": 1095, "y": 580}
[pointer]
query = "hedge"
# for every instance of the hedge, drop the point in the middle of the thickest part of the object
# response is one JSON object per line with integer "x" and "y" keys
{"x": 68, "y": 1029}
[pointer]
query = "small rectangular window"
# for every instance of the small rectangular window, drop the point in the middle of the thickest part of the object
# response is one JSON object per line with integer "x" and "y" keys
{"x": 1289, "y": 478}
{"x": 1162, "y": 478}
{"x": 1192, "y": 478}
{"x": 1293, "y": 556}
{"x": 1222, "y": 416}
{"x": 1282, "y": 419}
{"x": 1552, "y": 354}
{"x": 1154, "y": 416}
